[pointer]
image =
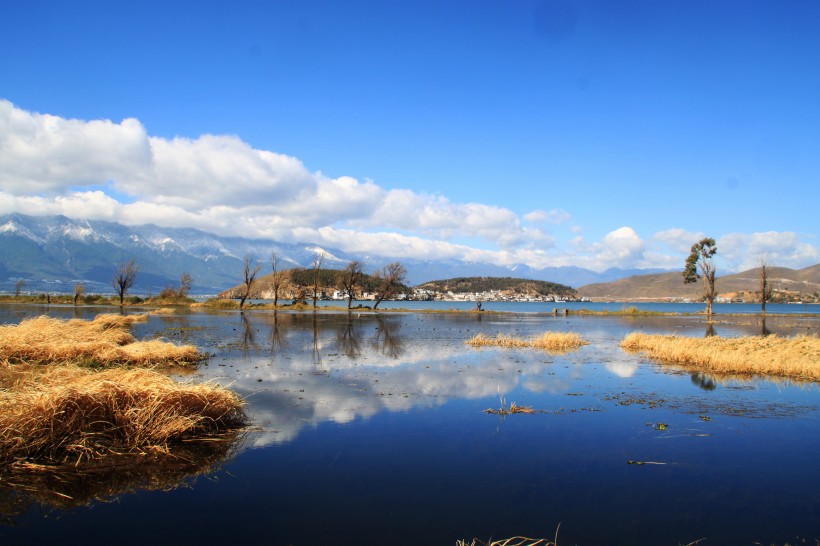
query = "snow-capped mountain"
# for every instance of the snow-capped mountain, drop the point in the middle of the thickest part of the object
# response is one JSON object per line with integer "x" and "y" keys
{"x": 51, "y": 253}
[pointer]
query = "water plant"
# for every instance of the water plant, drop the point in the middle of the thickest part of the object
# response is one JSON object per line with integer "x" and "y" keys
{"x": 792, "y": 357}
{"x": 548, "y": 341}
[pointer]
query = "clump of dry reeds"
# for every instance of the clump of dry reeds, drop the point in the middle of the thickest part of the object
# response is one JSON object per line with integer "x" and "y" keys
{"x": 513, "y": 541}
{"x": 793, "y": 357}
{"x": 67, "y": 414}
{"x": 548, "y": 341}
{"x": 102, "y": 341}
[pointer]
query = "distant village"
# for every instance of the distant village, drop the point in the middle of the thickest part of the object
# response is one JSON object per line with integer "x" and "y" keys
{"x": 423, "y": 294}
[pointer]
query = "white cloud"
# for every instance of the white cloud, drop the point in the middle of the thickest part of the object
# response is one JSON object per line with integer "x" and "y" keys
{"x": 742, "y": 251}
{"x": 554, "y": 216}
{"x": 220, "y": 184}
{"x": 40, "y": 153}
{"x": 678, "y": 240}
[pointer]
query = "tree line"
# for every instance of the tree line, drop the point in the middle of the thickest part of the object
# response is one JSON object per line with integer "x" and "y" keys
{"x": 310, "y": 283}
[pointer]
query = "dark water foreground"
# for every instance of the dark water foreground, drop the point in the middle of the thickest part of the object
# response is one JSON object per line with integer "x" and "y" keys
{"x": 369, "y": 429}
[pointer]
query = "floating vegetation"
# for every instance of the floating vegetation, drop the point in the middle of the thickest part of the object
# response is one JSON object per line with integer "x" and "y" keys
{"x": 68, "y": 414}
{"x": 103, "y": 341}
{"x": 513, "y": 408}
{"x": 793, "y": 357}
{"x": 548, "y": 341}
{"x": 644, "y": 462}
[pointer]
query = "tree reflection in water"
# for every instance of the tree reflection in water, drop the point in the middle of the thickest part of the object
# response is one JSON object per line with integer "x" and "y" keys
{"x": 710, "y": 329}
{"x": 386, "y": 339}
{"x": 763, "y": 330}
{"x": 703, "y": 381}
{"x": 347, "y": 338}
{"x": 276, "y": 338}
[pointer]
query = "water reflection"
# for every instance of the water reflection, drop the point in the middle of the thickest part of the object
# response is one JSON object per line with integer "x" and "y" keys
{"x": 710, "y": 329}
{"x": 348, "y": 366}
{"x": 704, "y": 381}
{"x": 25, "y": 486}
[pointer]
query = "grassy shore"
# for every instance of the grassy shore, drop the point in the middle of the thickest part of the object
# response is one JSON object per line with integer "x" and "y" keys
{"x": 548, "y": 341}
{"x": 791, "y": 357}
{"x": 104, "y": 341}
{"x": 57, "y": 407}
{"x": 69, "y": 414}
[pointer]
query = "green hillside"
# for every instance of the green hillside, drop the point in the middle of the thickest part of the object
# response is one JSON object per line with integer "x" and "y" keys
{"x": 467, "y": 285}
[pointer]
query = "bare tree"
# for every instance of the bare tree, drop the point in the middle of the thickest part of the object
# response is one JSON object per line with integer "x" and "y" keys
{"x": 350, "y": 279}
{"x": 79, "y": 290}
{"x": 316, "y": 267}
{"x": 18, "y": 287}
{"x": 389, "y": 281}
{"x": 766, "y": 287}
{"x": 700, "y": 265}
{"x": 278, "y": 279}
{"x": 185, "y": 282}
{"x": 250, "y": 267}
{"x": 124, "y": 278}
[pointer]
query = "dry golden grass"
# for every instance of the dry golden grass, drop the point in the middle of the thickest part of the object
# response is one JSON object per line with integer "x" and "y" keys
{"x": 102, "y": 341}
{"x": 67, "y": 414}
{"x": 548, "y": 341}
{"x": 513, "y": 541}
{"x": 793, "y": 357}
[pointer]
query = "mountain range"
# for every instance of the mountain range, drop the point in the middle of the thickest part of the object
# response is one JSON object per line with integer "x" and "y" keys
{"x": 52, "y": 253}
{"x": 804, "y": 281}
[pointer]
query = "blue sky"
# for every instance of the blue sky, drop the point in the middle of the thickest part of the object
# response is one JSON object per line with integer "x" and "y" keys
{"x": 599, "y": 134}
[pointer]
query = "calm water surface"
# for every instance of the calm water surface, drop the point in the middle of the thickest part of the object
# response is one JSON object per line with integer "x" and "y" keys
{"x": 369, "y": 429}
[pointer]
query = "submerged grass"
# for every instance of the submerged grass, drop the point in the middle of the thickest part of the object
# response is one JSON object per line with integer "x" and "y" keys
{"x": 548, "y": 341}
{"x": 513, "y": 541}
{"x": 792, "y": 357}
{"x": 103, "y": 341}
{"x": 67, "y": 414}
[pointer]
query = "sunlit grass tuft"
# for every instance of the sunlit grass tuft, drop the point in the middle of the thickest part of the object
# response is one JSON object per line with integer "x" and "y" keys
{"x": 61, "y": 414}
{"x": 793, "y": 357}
{"x": 548, "y": 341}
{"x": 103, "y": 341}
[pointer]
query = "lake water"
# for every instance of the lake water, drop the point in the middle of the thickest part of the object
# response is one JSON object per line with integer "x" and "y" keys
{"x": 547, "y": 307}
{"x": 369, "y": 429}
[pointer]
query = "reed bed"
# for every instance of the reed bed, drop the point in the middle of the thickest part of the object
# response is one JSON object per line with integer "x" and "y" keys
{"x": 512, "y": 541}
{"x": 103, "y": 341}
{"x": 68, "y": 414}
{"x": 792, "y": 357}
{"x": 548, "y": 341}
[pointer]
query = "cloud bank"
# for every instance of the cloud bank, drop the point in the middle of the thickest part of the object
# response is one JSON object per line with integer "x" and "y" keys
{"x": 103, "y": 170}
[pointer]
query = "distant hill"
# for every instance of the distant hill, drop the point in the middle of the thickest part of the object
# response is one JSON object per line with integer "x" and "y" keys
{"x": 51, "y": 253}
{"x": 670, "y": 285}
{"x": 523, "y": 287}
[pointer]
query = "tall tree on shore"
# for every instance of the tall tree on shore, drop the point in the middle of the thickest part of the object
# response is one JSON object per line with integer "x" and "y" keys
{"x": 278, "y": 278}
{"x": 766, "y": 287}
{"x": 18, "y": 287}
{"x": 124, "y": 278}
{"x": 350, "y": 279}
{"x": 185, "y": 282}
{"x": 79, "y": 290}
{"x": 389, "y": 280}
{"x": 700, "y": 265}
{"x": 250, "y": 267}
{"x": 316, "y": 267}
